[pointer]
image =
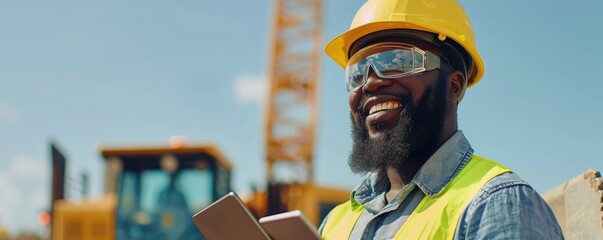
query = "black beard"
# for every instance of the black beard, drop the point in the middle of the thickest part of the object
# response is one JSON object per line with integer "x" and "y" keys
{"x": 414, "y": 137}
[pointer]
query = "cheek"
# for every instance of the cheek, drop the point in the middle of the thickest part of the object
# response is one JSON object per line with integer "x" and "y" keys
{"x": 353, "y": 100}
{"x": 431, "y": 82}
{"x": 415, "y": 95}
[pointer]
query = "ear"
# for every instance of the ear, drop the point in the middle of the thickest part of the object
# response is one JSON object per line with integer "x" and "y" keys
{"x": 457, "y": 86}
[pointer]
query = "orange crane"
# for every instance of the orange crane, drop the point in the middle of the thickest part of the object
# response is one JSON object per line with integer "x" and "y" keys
{"x": 292, "y": 114}
{"x": 294, "y": 73}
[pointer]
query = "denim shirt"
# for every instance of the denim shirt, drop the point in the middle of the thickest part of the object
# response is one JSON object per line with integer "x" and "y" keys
{"x": 505, "y": 208}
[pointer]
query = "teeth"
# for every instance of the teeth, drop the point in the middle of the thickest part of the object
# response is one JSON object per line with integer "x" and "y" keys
{"x": 383, "y": 106}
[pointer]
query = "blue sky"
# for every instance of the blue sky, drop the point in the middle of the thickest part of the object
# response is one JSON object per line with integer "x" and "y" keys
{"x": 138, "y": 72}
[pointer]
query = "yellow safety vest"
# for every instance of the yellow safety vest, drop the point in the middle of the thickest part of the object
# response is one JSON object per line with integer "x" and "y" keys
{"x": 435, "y": 217}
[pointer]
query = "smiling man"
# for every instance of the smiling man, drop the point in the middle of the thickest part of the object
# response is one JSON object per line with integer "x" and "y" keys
{"x": 407, "y": 64}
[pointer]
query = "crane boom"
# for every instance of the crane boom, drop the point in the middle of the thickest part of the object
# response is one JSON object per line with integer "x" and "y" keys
{"x": 292, "y": 110}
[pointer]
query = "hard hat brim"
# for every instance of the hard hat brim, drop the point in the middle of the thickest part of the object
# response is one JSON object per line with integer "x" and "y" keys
{"x": 339, "y": 46}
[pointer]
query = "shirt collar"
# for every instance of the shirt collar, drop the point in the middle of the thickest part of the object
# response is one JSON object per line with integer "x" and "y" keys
{"x": 372, "y": 185}
{"x": 431, "y": 178}
{"x": 444, "y": 164}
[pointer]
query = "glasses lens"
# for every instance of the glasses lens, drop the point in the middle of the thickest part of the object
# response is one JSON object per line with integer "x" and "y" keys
{"x": 355, "y": 75}
{"x": 394, "y": 62}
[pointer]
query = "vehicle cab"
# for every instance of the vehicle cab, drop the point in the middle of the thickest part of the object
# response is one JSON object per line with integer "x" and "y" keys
{"x": 158, "y": 189}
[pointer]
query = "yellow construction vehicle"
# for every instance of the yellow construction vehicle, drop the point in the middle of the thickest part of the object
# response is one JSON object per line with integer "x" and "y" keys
{"x": 149, "y": 193}
{"x": 4, "y": 235}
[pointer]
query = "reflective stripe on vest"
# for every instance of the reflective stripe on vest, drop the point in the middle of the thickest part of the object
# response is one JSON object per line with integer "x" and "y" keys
{"x": 435, "y": 217}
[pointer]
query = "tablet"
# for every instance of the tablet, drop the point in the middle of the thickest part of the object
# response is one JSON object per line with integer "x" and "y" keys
{"x": 289, "y": 226}
{"x": 228, "y": 219}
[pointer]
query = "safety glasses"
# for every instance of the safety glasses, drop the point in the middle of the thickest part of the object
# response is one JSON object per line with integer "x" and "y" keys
{"x": 389, "y": 60}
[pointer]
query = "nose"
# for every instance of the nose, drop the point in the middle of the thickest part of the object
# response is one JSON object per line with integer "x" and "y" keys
{"x": 374, "y": 82}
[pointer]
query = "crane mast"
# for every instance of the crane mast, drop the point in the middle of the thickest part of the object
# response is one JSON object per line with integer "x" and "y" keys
{"x": 292, "y": 110}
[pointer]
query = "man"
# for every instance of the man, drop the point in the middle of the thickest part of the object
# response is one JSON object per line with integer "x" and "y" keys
{"x": 407, "y": 65}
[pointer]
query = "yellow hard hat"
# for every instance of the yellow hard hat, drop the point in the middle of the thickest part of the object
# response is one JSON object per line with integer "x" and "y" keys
{"x": 445, "y": 18}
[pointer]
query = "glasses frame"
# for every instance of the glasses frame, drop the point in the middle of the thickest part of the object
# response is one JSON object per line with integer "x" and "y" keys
{"x": 430, "y": 62}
